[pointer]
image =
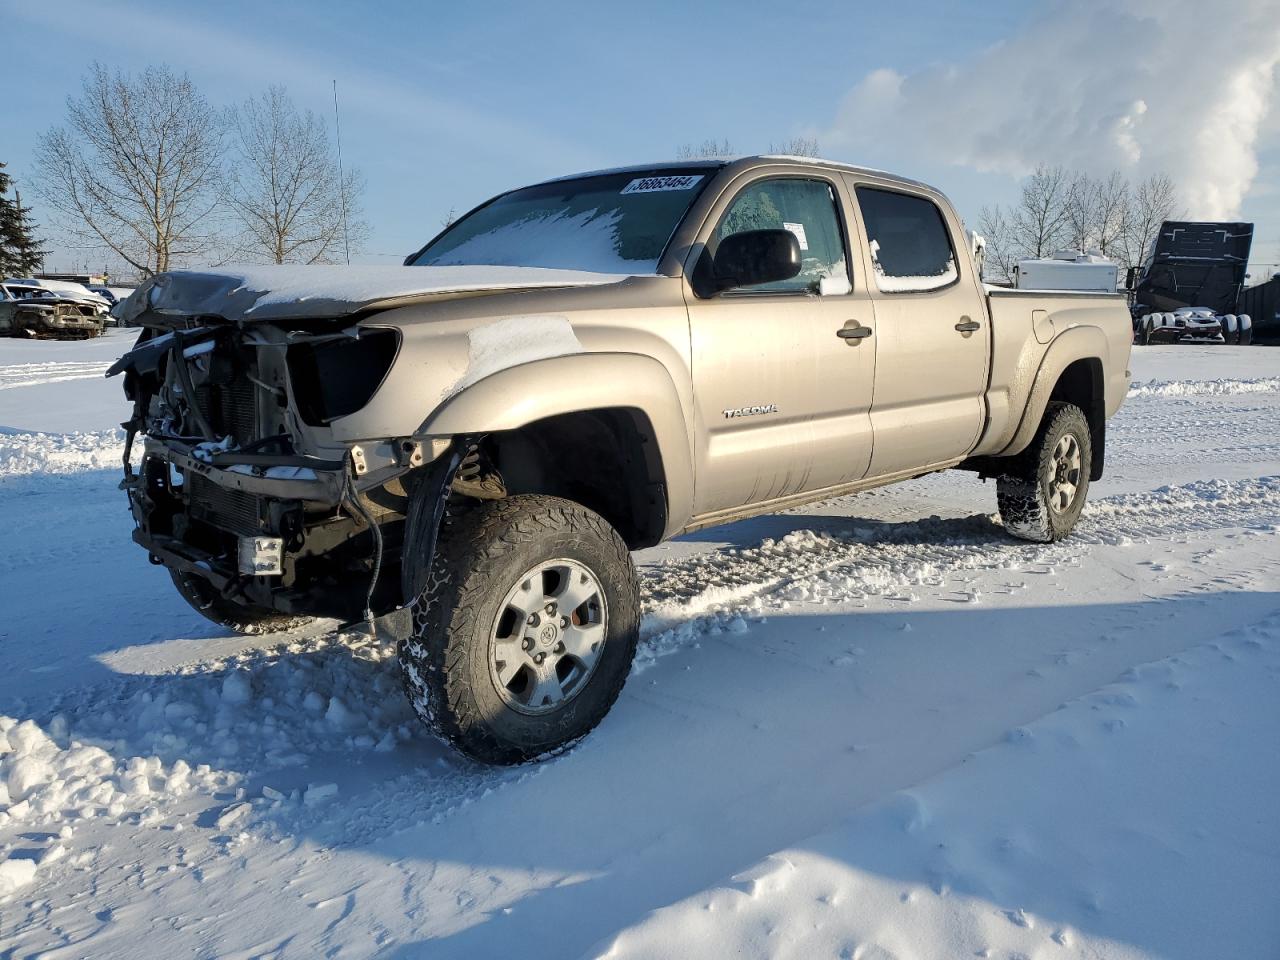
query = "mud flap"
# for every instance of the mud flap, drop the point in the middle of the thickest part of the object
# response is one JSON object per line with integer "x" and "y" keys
{"x": 422, "y": 525}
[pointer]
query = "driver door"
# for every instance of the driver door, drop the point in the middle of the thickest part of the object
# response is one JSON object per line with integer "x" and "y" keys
{"x": 782, "y": 398}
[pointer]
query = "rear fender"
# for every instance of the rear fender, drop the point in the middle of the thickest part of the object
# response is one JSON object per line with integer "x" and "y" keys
{"x": 1076, "y": 343}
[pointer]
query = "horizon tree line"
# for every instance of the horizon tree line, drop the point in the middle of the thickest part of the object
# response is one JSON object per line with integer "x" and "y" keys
{"x": 145, "y": 168}
{"x": 1059, "y": 209}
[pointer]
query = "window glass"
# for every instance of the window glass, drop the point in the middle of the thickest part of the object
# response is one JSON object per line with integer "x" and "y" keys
{"x": 610, "y": 223}
{"x": 908, "y": 240}
{"x": 808, "y": 209}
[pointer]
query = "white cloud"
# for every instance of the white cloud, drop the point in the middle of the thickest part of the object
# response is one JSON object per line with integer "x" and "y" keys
{"x": 1178, "y": 86}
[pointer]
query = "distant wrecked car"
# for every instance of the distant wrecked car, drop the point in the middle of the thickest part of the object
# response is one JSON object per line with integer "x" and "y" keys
{"x": 37, "y": 313}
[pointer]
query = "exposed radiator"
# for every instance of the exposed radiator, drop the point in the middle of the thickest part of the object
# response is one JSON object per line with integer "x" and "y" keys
{"x": 231, "y": 510}
{"x": 231, "y": 409}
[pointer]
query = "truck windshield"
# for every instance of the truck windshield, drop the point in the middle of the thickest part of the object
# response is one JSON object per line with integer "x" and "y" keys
{"x": 611, "y": 223}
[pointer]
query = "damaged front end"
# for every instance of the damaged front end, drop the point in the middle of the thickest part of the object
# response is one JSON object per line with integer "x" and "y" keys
{"x": 241, "y": 482}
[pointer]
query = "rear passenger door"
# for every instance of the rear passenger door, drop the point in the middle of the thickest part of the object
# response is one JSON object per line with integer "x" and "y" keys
{"x": 932, "y": 341}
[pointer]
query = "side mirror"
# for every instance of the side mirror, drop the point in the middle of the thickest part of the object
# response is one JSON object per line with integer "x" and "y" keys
{"x": 1131, "y": 278}
{"x": 755, "y": 256}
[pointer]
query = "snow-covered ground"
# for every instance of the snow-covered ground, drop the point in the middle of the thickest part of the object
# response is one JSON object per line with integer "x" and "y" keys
{"x": 873, "y": 728}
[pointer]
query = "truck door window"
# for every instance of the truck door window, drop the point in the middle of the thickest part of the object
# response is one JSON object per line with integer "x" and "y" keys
{"x": 907, "y": 236}
{"x": 808, "y": 209}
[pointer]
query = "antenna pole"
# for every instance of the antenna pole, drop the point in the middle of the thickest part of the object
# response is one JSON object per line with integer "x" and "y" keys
{"x": 342, "y": 180}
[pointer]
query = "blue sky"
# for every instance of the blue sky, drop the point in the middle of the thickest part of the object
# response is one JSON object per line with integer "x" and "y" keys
{"x": 446, "y": 104}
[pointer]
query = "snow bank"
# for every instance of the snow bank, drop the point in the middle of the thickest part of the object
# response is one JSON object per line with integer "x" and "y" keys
{"x": 48, "y": 776}
{"x": 1202, "y": 388}
{"x": 22, "y": 454}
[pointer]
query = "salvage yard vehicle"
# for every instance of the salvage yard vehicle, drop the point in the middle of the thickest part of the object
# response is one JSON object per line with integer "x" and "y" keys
{"x": 37, "y": 313}
{"x": 66, "y": 289}
{"x": 573, "y": 371}
{"x": 1189, "y": 289}
{"x": 1194, "y": 325}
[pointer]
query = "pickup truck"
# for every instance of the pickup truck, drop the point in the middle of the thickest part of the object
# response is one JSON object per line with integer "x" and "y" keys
{"x": 477, "y": 440}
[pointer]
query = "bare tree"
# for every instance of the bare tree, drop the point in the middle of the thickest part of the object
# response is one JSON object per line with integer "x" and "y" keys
{"x": 136, "y": 169}
{"x": 1155, "y": 200}
{"x": 1001, "y": 255}
{"x": 1112, "y": 213}
{"x": 1040, "y": 219}
{"x": 1081, "y": 211}
{"x": 708, "y": 148}
{"x": 284, "y": 190}
{"x": 796, "y": 147}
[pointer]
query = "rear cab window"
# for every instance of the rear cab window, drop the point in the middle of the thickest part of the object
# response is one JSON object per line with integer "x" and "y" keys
{"x": 908, "y": 240}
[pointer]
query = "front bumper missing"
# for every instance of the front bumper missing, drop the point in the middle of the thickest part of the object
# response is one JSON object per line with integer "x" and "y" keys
{"x": 293, "y": 538}
{"x": 281, "y": 478}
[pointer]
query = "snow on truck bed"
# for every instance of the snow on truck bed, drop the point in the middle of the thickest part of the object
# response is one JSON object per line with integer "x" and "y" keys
{"x": 870, "y": 728}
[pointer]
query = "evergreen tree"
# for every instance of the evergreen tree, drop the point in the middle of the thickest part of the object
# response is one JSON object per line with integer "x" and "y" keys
{"x": 20, "y": 253}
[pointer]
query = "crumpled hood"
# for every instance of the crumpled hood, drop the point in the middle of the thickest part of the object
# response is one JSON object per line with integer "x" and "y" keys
{"x": 317, "y": 292}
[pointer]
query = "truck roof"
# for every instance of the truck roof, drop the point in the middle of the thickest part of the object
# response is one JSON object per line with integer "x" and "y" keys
{"x": 746, "y": 163}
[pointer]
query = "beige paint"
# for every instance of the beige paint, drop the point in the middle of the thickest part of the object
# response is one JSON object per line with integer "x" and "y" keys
{"x": 779, "y": 350}
{"x": 917, "y": 395}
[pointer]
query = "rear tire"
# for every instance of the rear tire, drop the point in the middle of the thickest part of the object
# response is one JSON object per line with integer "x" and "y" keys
{"x": 1041, "y": 496}
{"x": 525, "y": 634}
{"x": 1245, "y": 336}
{"x": 241, "y": 618}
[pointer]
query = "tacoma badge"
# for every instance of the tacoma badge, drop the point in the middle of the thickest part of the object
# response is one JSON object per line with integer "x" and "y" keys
{"x": 750, "y": 411}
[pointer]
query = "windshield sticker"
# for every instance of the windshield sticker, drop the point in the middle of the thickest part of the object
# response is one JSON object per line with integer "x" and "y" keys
{"x": 798, "y": 230}
{"x": 660, "y": 184}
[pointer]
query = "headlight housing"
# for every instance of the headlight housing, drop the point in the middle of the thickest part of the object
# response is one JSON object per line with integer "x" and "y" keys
{"x": 335, "y": 378}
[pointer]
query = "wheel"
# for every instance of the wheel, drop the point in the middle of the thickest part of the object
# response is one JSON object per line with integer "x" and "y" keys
{"x": 1148, "y": 326}
{"x": 1244, "y": 336}
{"x": 239, "y": 617}
{"x": 525, "y": 634}
{"x": 1041, "y": 497}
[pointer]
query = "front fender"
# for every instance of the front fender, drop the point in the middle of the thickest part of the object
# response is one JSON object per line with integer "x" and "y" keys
{"x": 520, "y": 395}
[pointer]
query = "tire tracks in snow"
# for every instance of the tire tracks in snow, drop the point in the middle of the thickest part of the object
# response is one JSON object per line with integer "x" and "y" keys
{"x": 708, "y": 594}
{"x": 52, "y": 371}
{"x": 276, "y": 716}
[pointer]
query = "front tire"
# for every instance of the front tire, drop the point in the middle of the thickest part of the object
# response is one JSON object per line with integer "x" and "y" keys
{"x": 1042, "y": 495}
{"x": 525, "y": 634}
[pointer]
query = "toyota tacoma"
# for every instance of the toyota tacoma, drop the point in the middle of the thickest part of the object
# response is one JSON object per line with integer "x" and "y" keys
{"x": 476, "y": 441}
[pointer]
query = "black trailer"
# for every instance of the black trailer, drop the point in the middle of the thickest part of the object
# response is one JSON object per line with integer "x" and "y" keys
{"x": 1194, "y": 265}
{"x": 1189, "y": 287}
{"x": 1262, "y": 303}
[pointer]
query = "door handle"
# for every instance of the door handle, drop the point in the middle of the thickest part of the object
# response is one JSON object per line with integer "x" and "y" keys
{"x": 967, "y": 326}
{"x": 853, "y": 333}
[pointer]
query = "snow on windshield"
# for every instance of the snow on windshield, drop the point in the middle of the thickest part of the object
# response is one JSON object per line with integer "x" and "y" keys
{"x": 587, "y": 240}
{"x": 612, "y": 223}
